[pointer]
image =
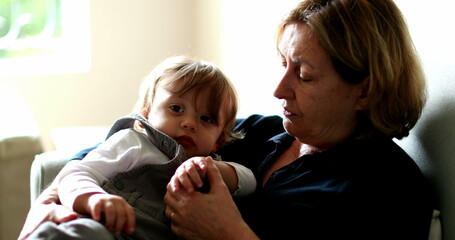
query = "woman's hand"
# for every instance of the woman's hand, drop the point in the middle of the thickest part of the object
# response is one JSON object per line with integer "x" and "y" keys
{"x": 213, "y": 215}
{"x": 46, "y": 208}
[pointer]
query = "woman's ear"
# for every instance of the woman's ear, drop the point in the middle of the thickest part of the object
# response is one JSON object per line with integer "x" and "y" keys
{"x": 363, "y": 99}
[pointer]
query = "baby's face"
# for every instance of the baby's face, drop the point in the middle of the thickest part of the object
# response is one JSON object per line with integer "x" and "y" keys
{"x": 187, "y": 121}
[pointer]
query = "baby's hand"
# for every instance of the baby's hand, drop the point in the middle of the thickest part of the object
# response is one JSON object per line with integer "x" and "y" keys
{"x": 118, "y": 214}
{"x": 190, "y": 174}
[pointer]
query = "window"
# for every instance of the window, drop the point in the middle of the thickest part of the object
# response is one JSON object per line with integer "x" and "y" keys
{"x": 249, "y": 52}
{"x": 44, "y": 36}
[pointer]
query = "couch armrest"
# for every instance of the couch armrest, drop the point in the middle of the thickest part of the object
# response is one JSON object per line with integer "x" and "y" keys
{"x": 44, "y": 169}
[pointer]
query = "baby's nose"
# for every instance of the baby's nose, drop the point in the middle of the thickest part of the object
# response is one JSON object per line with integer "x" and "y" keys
{"x": 189, "y": 124}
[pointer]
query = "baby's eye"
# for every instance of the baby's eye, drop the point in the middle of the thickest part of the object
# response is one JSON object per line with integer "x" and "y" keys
{"x": 207, "y": 119}
{"x": 176, "y": 108}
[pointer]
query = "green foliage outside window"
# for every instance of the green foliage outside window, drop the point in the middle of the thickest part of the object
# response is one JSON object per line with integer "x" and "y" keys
{"x": 29, "y": 27}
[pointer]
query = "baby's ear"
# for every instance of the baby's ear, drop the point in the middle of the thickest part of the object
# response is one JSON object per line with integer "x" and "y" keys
{"x": 145, "y": 112}
{"x": 215, "y": 147}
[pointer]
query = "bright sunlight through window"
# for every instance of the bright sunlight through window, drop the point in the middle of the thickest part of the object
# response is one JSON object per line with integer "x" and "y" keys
{"x": 44, "y": 36}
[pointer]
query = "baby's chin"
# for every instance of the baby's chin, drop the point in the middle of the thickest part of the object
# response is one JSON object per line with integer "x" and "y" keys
{"x": 192, "y": 153}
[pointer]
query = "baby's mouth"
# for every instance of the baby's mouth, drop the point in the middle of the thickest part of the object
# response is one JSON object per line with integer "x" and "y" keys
{"x": 185, "y": 141}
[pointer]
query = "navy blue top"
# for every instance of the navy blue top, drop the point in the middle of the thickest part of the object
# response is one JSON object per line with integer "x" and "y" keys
{"x": 362, "y": 189}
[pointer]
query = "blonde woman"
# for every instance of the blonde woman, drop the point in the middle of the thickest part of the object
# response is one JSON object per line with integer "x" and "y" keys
{"x": 352, "y": 82}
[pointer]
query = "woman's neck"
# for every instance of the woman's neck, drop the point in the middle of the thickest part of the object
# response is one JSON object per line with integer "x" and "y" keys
{"x": 292, "y": 153}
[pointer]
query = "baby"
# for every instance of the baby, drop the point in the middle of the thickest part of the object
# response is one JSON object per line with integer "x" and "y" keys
{"x": 187, "y": 108}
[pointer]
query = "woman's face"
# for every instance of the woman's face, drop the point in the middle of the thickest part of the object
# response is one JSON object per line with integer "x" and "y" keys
{"x": 319, "y": 108}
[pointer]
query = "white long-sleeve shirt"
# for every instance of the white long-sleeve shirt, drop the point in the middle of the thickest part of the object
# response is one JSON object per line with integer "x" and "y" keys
{"x": 122, "y": 152}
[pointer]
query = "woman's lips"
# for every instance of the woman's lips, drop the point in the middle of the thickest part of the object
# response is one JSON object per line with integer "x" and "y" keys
{"x": 287, "y": 113}
{"x": 185, "y": 141}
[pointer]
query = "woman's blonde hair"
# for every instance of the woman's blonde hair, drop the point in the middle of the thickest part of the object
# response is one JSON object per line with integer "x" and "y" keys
{"x": 183, "y": 74}
{"x": 369, "y": 39}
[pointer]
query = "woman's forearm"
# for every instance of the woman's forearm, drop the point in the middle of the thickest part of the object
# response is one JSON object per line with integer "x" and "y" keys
{"x": 46, "y": 208}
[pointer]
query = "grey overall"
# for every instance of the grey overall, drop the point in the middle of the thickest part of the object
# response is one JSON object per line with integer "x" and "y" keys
{"x": 144, "y": 189}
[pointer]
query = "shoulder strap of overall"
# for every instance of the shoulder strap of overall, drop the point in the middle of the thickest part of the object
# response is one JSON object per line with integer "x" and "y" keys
{"x": 165, "y": 144}
{"x": 126, "y": 122}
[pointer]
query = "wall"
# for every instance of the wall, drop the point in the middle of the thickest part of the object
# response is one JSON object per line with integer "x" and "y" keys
{"x": 431, "y": 142}
{"x": 249, "y": 54}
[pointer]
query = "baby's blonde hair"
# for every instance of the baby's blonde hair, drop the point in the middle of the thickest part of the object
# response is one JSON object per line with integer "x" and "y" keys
{"x": 193, "y": 75}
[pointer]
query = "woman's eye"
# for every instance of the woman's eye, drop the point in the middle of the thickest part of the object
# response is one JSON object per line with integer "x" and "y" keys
{"x": 207, "y": 119}
{"x": 176, "y": 108}
{"x": 304, "y": 75}
{"x": 305, "y": 79}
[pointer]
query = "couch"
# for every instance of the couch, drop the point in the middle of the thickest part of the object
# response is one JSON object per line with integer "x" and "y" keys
{"x": 431, "y": 142}
{"x": 16, "y": 155}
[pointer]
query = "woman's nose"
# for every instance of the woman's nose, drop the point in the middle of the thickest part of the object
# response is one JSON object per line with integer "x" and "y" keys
{"x": 284, "y": 89}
